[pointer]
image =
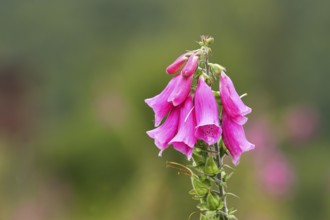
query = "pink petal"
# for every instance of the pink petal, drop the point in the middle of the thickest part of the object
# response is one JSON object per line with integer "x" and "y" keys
{"x": 159, "y": 103}
{"x": 184, "y": 141}
{"x": 181, "y": 90}
{"x": 231, "y": 101}
{"x": 191, "y": 66}
{"x": 234, "y": 138}
{"x": 164, "y": 133}
{"x": 177, "y": 64}
{"x": 207, "y": 116}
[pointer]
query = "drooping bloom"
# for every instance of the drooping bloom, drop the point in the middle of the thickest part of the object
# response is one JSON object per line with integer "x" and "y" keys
{"x": 159, "y": 103}
{"x": 184, "y": 141}
{"x": 231, "y": 101}
{"x": 164, "y": 133}
{"x": 191, "y": 66}
{"x": 177, "y": 64}
{"x": 181, "y": 90}
{"x": 234, "y": 137}
{"x": 207, "y": 115}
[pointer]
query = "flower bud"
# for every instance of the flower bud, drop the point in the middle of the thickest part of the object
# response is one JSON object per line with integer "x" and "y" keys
{"x": 213, "y": 201}
{"x": 201, "y": 189}
{"x": 198, "y": 158}
{"x": 177, "y": 64}
{"x": 191, "y": 66}
{"x": 203, "y": 217}
{"x": 211, "y": 167}
{"x": 209, "y": 40}
{"x": 216, "y": 69}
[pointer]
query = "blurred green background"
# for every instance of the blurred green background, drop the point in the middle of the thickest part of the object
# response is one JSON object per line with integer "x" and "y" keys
{"x": 73, "y": 77}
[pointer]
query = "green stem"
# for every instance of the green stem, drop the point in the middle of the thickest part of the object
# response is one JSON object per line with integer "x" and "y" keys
{"x": 220, "y": 156}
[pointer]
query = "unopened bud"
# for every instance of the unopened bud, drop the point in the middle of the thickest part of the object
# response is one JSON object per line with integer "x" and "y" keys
{"x": 209, "y": 40}
{"x": 200, "y": 188}
{"x": 213, "y": 201}
{"x": 177, "y": 64}
{"x": 203, "y": 217}
{"x": 191, "y": 66}
{"x": 217, "y": 69}
{"x": 211, "y": 167}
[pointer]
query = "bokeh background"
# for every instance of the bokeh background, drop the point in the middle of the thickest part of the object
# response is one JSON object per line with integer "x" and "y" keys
{"x": 73, "y": 77}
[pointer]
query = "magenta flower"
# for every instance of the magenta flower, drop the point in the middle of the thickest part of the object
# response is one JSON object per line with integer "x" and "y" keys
{"x": 207, "y": 116}
{"x": 181, "y": 90}
{"x": 276, "y": 176}
{"x": 191, "y": 66}
{"x": 177, "y": 64}
{"x": 234, "y": 138}
{"x": 164, "y": 133}
{"x": 159, "y": 103}
{"x": 184, "y": 141}
{"x": 231, "y": 101}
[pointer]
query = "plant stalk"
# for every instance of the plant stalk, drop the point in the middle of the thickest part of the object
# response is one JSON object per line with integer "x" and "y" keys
{"x": 220, "y": 162}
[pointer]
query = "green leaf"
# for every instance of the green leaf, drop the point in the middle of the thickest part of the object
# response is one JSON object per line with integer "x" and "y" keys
{"x": 232, "y": 194}
{"x": 227, "y": 176}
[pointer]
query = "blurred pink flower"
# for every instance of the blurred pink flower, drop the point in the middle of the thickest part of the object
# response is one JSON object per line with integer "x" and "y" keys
{"x": 185, "y": 140}
{"x": 164, "y": 133}
{"x": 276, "y": 175}
{"x": 231, "y": 101}
{"x": 301, "y": 123}
{"x": 262, "y": 133}
{"x": 181, "y": 90}
{"x": 191, "y": 66}
{"x": 177, "y": 64}
{"x": 207, "y": 114}
{"x": 159, "y": 103}
{"x": 234, "y": 138}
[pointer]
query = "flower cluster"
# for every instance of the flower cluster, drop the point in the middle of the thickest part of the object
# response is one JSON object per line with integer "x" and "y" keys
{"x": 192, "y": 114}
{"x": 233, "y": 119}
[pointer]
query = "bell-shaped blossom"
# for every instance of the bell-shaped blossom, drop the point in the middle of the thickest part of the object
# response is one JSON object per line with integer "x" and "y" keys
{"x": 165, "y": 133}
{"x": 181, "y": 90}
{"x": 234, "y": 137}
{"x": 184, "y": 141}
{"x": 159, "y": 103}
{"x": 231, "y": 101}
{"x": 177, "y": 64}
{"x": 207, "y": 115}
{"x": 191, "y": 66}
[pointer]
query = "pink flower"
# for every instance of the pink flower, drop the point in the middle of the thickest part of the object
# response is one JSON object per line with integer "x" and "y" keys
{"x": 301, "y": 123}
{"x": 234, "y": 138}
{"x": 276, "y": 176}
{"x": 177, "y": 64}
{"x": 164, "y": 133}
{"x": 207, "y": 116}
{"x": 231, "y": 101}
{"x": 184, "y": 141}
{"x": 191, "y": 66}
{"x": 159, "y": 103}
{"x": 181, "y": 90}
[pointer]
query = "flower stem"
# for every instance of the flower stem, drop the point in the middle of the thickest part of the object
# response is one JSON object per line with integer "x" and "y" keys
{"x": 220, "y": 156}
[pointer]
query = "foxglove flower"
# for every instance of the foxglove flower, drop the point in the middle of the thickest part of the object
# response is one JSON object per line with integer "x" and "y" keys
{"x": 191, "y": 66}
{"x": 234, "y": 137}
{"x": 164, "y": 133}
{"x": 184, "y": 141}
{"x": 231, "y": 101}
{"x": 181, "y": 90}
{"x": 159, "y": 103}
{"x": 177, "y": 64}
{"x": 207, "y": 116}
